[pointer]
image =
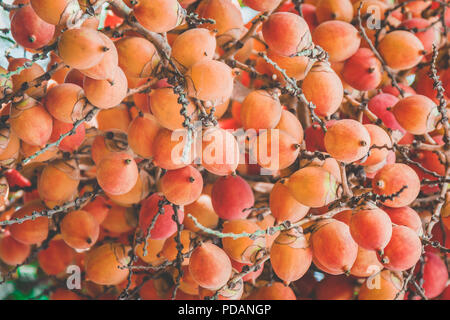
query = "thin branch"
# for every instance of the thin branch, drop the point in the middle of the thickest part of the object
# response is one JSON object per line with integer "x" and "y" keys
{"x": 388, "y": 70}
{"x": 90, "y": 115}
{"x": 77, "y": 203}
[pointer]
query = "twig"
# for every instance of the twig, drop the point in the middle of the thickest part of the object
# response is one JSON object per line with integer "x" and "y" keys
{"x": 77, "y": 203}
{"x": 10, "y": 7}
{"x": 91, "y": 114}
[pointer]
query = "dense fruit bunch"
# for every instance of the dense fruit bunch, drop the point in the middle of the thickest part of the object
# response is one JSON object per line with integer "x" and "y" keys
{"x": 171, "y": 151}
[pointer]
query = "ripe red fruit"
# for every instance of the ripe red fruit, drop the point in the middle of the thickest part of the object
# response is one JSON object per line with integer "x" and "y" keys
{"x": 65, "y": 101}
{"x": 262, "y": 5}
{"x": 394, "y": 91}
{"x": 286, "y": 33}
{"x": 335, "y": 288}
{"x": 428, "y": 37}
{"x": 405, "y": 216}
{"x": 333, "y": 247}
{"x": 290, "y": 124}
{"x": 33, "y": 34}
{"x": 446, "y": 294}
{"x": 210, "y": 266}
{"x": 321, "y": 78}
{"x": 104, "y": 264}
{"x": 71, "y": 142}
{"x": 339, "y": 38}
{"x": 363, "y": 70}
{"x": 314, "y": 136}
{"x": 98, "y": 208}
{"x": 260, "y": 110}
{"x": 13, "y": 252}
{"x": 105, "y": 94}
{"x": 210, "y": 80}
{"x": 164, "y": 225}
{"x": 158, "y": 15}
{"x": 403, "y": 250}
{"x": 31, "y": 231}
{"x": 79, "y": 229}
{"x": 366, "y": 263}
{"x": 169, "y": 149}
{"x": 53, "y": 11}
{"x": 274, "y": 291}
{"x": 220, "y": 151}
{"x": 290, "y": 255}
{"x": 381, "y": 105}
{"x": 58, "y": 182}
{"x": 347, "y": 140}
{"x": 25, "y": 75}
{"x": 165, "y": 106}
{"x": 435, "y": 275}
{"x": 182, "y": 186}
{"x": 401, "y": 50}
{"x": 119, "y": 220}
{"x": 117, "y": 173}
{"x": 380, "y": 143}
{"x": 390, "y": 285}
{"x": 371, "y": 228}
{"x": 417, "y": 114}
{"x": 64, "y": 294}
{"x": 81, "y": 48}
{"x": 284, "y": 206}
{"x": 313, "y": 186}
{"x": 193, "y": 46}
{"x": 334, "y": 10}
{"x": 31, "y": 122}
{"x": 231, "y": 196}
{"x": 397, "y": 178}
{"x": 274, "y": 149}
{"x": 106, "y": 68}
{"x": 225, "y": 13}
{"x": 137, "y": 56}
{"x": 141, "y": 134}
{"x": 56, "y": 258}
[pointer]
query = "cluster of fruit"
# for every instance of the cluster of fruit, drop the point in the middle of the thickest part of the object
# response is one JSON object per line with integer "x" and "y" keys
{"x": 341, "y": 174}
